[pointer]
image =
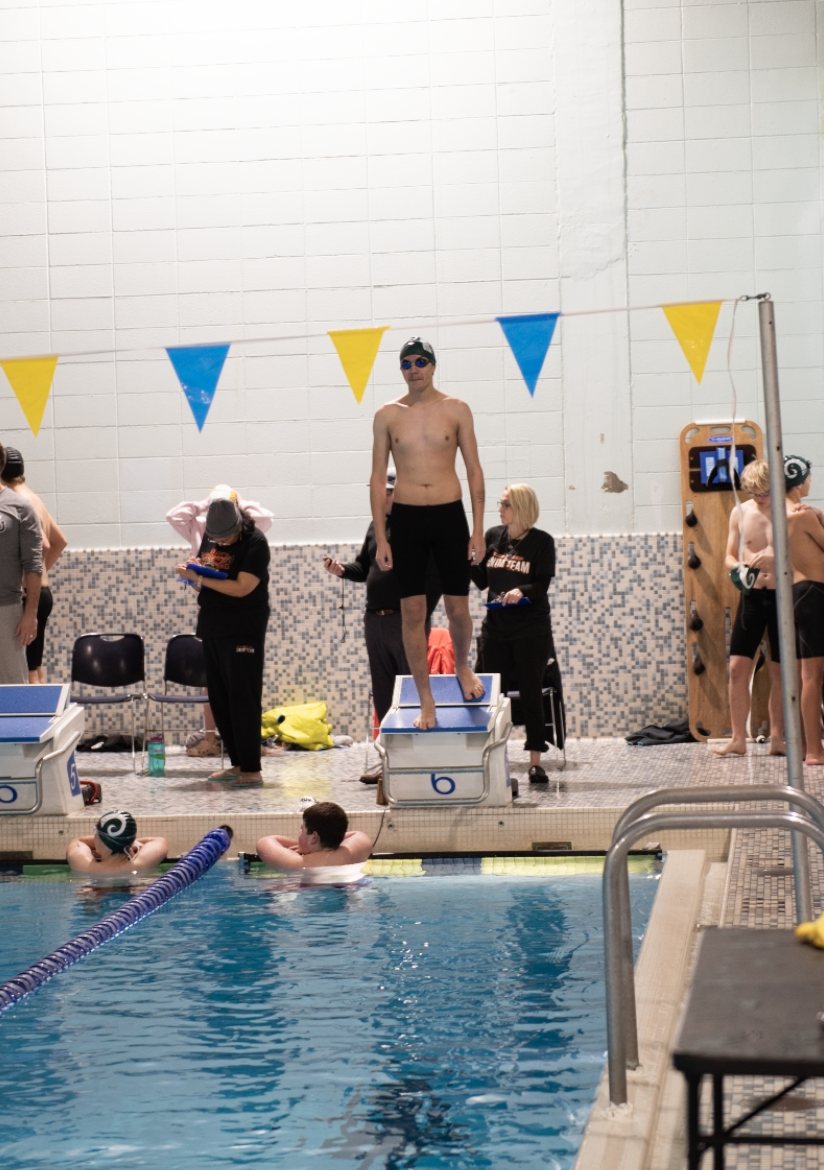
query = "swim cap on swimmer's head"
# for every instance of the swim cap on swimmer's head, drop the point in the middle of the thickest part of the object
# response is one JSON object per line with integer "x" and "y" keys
{"x": 117, "y": 830}
{"x": 14, "y": 467}
{"x": 796, "y": 471}
{"x": 418, "y": 345}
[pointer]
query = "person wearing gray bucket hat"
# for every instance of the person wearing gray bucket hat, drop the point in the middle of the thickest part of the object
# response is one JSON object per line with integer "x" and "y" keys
{"x": 231, "y": 574}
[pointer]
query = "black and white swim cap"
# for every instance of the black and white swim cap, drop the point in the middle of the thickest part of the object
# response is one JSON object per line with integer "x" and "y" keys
{"x": 796, "y": 471}
{"x": 117, "y": 830}
{"x": 419, "y": 346}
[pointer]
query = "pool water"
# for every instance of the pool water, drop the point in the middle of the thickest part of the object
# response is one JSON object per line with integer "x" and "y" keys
{"x": 400, "y": 1023}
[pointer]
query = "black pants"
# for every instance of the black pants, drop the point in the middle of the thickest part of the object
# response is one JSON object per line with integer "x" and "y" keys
{"x": 234, "y": 680}
{"x": 387, "y": 657}
{"x": 34, "y": 651}
{"x": 522, "y": 660}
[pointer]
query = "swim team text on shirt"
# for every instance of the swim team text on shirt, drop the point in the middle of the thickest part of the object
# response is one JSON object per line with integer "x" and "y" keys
{"x": 235, "y": 617}
{"x": 527, "y": 564}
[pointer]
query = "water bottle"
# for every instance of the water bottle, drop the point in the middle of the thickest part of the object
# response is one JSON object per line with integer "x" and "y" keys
{"x": 157, "y": 756}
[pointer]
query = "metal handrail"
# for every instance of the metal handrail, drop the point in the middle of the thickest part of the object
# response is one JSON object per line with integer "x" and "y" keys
{"x": 615, "y": 863}
{"x": 714, "y": 793}
{"x": 38, "y": 779}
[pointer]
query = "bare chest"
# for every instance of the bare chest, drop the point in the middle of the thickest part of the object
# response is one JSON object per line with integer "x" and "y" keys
{"x": 757, "y": 532}
{"x": 431, "y": 430}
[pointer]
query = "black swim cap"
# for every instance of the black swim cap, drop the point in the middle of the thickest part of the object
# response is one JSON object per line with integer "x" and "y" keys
{"x": 419, "y": 346}
{"x": 796, "y": 471}
{"x": 14, "y": 467}
{"x": 117, "y": 830}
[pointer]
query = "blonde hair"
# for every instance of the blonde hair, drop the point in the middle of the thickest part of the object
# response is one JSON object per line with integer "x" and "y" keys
{"x": 524, "y": 503}
{"x": 755, "y": 478}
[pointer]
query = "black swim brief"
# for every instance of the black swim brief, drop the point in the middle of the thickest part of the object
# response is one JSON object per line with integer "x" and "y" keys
{"x": 808, "y": 604}
{"x": 34, "y": 650}
{"x": 439, "y": 529}
{"x": 756, "y": 611}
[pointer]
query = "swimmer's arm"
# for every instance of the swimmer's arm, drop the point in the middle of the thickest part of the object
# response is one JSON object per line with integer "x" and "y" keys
{"x": 152, "y": 851}
{"x": 812, "y": 526}
{"x": 80, "y": 857}
{"x": 55, "y": 545}
{"x": 468, "y": 445}
{"x": 357, "y": 845}
{"x": 381, "y": 445}
{"x": 271, "y": 851}
{"x": 731, "y": 559}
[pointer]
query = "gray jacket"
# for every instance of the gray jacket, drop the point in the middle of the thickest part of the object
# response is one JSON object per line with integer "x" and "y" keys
{"x": 21, "y": 545}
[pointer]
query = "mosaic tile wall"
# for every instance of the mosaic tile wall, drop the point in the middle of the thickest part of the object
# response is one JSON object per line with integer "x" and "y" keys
{"x": 617, "y": 606}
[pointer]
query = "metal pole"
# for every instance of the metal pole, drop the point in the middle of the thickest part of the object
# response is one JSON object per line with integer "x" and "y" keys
{"x": 616, "y": 861}
{"x": 784, "y": 595}
{"x": 716, "y": 793}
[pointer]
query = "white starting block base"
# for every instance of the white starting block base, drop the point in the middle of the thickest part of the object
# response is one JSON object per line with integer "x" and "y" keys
{"x": 462, "y": 760}
{"x": 39, "y": 729}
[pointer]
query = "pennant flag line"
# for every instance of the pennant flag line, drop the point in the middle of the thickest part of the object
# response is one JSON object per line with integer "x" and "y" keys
{"x": 198, "y": 368}
{"x": 357, "y": 350}
{"x": 529, "y": 337}
{"x": 31, "y": 380}
{"x": 694, "y": 328}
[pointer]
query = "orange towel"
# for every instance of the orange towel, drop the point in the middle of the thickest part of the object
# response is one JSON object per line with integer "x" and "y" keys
{"x": 441, "y": 653}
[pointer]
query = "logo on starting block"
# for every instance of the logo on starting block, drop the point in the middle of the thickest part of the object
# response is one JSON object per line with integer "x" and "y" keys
{"x": 8, "y": 795}
{"x": 443, "y": 785}
{"x": 71, "y": 772}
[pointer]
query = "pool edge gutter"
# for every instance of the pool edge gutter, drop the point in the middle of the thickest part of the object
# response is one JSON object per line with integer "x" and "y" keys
{"x": 623, "y": 1138}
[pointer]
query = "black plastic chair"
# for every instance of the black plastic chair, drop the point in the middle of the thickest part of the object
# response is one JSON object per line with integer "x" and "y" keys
{"x": 109, "y": 660}
{"x": 185, "y": 666}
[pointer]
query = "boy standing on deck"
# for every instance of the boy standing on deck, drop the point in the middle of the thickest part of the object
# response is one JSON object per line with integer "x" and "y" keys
{"x": 757, "y": 610}
{"x": 805, "y": 526}
{"x": 423, "y": 432}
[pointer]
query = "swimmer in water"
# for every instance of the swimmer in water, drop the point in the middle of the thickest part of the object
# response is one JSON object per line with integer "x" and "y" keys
{"x": 115, "y": 848}
{"x": 323, "y": 841}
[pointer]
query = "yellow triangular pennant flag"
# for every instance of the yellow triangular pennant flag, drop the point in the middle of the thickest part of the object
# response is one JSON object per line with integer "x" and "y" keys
{"x": 357, "y": 350}
{"x": 31, "y": 380}
{"x": 694, "y": 326}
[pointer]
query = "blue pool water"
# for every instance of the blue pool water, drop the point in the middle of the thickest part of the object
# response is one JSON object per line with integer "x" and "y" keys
{"x": 403, "y": 1023}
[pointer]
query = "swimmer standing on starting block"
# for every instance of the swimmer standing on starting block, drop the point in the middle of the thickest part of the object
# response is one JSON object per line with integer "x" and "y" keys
{"x": 323, "y": 841}
{"x": 423, "y": 432}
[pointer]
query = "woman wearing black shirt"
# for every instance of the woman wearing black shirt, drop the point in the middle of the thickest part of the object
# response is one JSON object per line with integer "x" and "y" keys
{"x": 516, "y": 639}
{"x": 232, "y": 624}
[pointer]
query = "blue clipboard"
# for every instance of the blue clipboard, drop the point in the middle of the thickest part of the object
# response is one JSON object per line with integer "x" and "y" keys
{"x": 500, "y": 605}
{"x": 206, "y": 571}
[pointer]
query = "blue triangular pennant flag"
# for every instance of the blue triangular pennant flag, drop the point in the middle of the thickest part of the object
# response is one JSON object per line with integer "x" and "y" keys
{"x": 529, "y": 338}
{"x": 198, "y": 367}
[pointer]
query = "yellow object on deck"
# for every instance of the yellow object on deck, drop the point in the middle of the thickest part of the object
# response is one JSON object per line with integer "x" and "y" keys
{"x": 812, "y": 932}
{"x": 303, "y": 724}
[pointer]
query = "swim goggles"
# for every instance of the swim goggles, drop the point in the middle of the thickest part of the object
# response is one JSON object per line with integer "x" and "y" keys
{"x": 406, "y": 364}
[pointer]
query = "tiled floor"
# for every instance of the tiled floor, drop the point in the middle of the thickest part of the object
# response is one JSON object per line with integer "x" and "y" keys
{"x": 599, "y": 773}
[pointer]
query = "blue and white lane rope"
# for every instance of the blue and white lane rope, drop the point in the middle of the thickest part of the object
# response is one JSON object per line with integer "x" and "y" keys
{"x": 183, "y": 874}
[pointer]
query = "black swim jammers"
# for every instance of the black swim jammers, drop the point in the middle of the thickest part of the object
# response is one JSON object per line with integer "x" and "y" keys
{"x": 440, "y": 529}
{"x": 757, "y": 611}
{"x": 808, "y": 603}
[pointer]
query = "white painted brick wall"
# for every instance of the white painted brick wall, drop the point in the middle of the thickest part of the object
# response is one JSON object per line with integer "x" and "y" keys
{"x": 175, "y": 173}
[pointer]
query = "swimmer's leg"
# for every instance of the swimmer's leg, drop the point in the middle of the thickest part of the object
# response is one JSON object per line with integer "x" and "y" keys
{"x": 740, "y": 672}
{"x": 776, "y": 709}
{"x": 460, "y": 630}
{"x": 413, "y": 614}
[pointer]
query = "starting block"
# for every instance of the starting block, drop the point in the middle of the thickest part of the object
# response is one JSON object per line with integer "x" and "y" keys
{"x": 39, "y": 730}
{"x": 460, "y": 761}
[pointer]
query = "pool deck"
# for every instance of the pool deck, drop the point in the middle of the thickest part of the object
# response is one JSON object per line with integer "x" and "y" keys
{"x": 577, "y": 810}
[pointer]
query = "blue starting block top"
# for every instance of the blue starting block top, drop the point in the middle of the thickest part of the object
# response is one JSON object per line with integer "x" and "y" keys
{"x": 468, "y": 718}
{"x": 446, "y": 691}
{"x": 33, "y": 699}
{"x": 24, "y": 728}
